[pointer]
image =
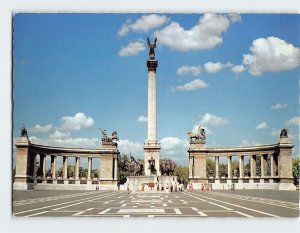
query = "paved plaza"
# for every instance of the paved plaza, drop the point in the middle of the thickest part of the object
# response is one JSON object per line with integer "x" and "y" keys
{"x": 253, "y": 203}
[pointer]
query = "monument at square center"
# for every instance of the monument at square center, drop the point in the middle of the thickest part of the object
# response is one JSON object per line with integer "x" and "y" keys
{"x": 153, "y": 176}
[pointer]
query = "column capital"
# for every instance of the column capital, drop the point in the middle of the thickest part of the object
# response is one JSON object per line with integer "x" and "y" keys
{"x": 152, "y": 65}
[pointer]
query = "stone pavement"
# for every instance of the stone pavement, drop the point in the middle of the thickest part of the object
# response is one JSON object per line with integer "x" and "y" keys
{"x": 156, "y": 204}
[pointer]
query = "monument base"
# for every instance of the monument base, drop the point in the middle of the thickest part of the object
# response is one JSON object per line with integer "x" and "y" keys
{"x": 143, "y": 183}
{"x": 152, "y": 151}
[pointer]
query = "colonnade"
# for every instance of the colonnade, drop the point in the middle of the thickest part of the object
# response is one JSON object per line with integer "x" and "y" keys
{"x": 29, "y": 175}
{"x": 274, "y": 161}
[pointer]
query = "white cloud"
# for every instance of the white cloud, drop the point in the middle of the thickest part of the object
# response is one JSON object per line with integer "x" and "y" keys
{"x": 60, "y": 135}
{"x": 193, "y": 85}
{"x": 40, "y": 129}
{"x": 262, "y": 125}
{"x": 234, "y": 18}
{"x": 133, "y": 48}
{"x": 245, "y": 142}
{"x": 294, "y": 121}
{"x": 209, "y": 119}
{"x": 142, "y": 119}
{"x": 238, "y": 69}
{"x": 67, "y": 142}
{"x": 279, "y": 106}
{"x": 194, "y": 70}
{"x": 148, "y": 22}
{"x": 271, "y": 54}
{"x": 143, "y": 24}
{"x": 124, "y": 29}
{"x": 76, "y": 122}
{"x": 174, "y": 148}
{"x": 215, "y": 67}
{"x": 127, "y": 147}
{"x": 206, "y": 34}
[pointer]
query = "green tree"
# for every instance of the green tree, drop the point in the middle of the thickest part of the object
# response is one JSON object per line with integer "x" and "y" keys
{"x": 210, "y": 168}
{"x": 295, "y": 164}
{"x": 182, "y": 173}
{"x": 123, "y": 161}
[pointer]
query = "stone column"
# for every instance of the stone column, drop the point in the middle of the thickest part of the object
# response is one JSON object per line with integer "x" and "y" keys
{"x": 190, "y": 167}
{"x": 35, "y": 165}
{"x": 229, "y": 166}
{"x": 253, "y": 165}
{"x": 217, "y": 166}
{"x": 53, "y": 166}
{"x": 272, "y": 165}
{"x": 241, "y": 166}
{"x": 89, "y": 168}
{"x": 116, "y": 168}
{"x": 152, "y": 64}
{"x": 77, "y": 168}
{"x": 43, "y": 165}
{"x": 262, "y": 166}
{"x": 65, "y": 167}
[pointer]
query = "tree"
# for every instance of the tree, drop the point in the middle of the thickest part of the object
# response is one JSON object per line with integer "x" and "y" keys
{"x": 295, "y": 164}
{"x": 182, "y": 173}
{"x": 123, "y": 171}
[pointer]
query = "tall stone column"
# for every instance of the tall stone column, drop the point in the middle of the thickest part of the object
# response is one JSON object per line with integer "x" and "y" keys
{"x": 89, "y": 168}
{"x": 217, "y": 166}
{"x": 253, "y": 166}
{"x": 229, "y": 158}
{"x": 151, "y": 147}
{"x": 241, "y": 166}
{"x": 65, "y": 167}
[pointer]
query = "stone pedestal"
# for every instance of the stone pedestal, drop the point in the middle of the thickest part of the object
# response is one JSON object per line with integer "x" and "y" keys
{"x": 151, "y": 151}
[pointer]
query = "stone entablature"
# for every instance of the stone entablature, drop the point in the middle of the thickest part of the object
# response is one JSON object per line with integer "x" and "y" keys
{"x": 26, "y": 176}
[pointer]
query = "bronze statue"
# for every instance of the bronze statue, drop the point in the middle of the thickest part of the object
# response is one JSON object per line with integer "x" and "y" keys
{"x": 24, "y": 131}
{"x": 284, "y": 133}
{"x": 113, "y": 138}
{"x": 151, "y": 50}
{"x": 152, "y": 165}
{"x": 200, "y": 136}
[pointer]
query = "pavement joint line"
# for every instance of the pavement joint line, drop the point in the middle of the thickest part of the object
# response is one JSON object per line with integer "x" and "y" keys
{"x": 177, "y": 211}
{"x": 124, "y": 205}
{"x": 243, "y": 214}
{"x": 170, "y": 201}
{"x": 242, "y": 207}
{"x": 107, "y": 202}
{"x": 43, "y": 199}
{"x": 261, "y": 200}
{"x": 104, "y": 195}
{"x": 31, "y": 215}
{"x": 122, "y": 201}
{"x": 126, "y": 216}
{"x": 104, "y": 211}
{"x": 81, "y": 202}
{"x": 165, "y": 205}
{"x": 150, "y": 216}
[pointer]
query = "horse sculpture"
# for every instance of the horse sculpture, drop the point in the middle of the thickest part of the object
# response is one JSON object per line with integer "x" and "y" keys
{"x": 135, "y": 167}
{"x": 200, "y": 136}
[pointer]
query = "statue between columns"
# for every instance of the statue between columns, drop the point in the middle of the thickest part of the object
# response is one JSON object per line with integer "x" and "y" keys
{"x": 151, "y": 48}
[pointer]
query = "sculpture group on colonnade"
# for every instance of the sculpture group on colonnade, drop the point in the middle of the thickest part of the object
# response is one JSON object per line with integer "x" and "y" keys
{"x": 113, "y": 138}
{"x": 199, "y": 136}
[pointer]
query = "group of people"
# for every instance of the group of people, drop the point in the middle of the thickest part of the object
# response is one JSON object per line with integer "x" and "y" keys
{"x": 167, "y": 188}
{"x": 206, "y": 187}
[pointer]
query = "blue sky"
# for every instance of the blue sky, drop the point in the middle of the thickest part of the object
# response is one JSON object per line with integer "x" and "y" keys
{"x": 236, "y": 75}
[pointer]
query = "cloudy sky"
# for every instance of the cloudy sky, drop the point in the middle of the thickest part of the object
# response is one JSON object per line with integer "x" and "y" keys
{"x": 236, "y": 75}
